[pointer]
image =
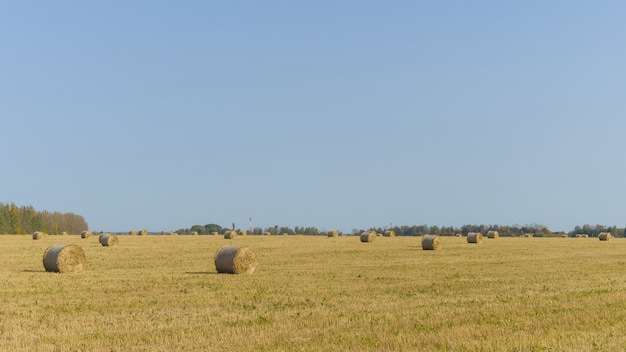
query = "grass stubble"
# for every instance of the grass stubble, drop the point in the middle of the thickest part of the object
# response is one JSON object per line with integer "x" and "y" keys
{"x": 162, "y": 293}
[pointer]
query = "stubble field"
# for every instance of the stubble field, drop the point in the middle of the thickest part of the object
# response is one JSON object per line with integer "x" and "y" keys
{"x": 162, "y": 293}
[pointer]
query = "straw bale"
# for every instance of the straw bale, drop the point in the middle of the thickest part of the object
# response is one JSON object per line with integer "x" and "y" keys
{"x": 475, "y": 237}
{"x": 143, "y": 232}
{"x": 108, "y": 240}
{"x": 368, "y": 236}
{"x": 229, "y": 235}
{"x": 430, "y": 242}
{"x": 64, "y": 258}
{"x": 605, "y": 236}
{"x": 194, "y": 233}
{"x": 332, "y": 233}
{"x": 493, "y": 234}
{"x": 132, "y": 233}
{"x": 85, "y": 234}
{"x": 235, "y": 260}
{"x": 389, "y": 233}
{"x": 37, "y": 235}
{"x": 267, "y": 233}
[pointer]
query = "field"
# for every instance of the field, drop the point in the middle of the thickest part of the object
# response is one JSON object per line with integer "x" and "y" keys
{"x": 162, "y": 293}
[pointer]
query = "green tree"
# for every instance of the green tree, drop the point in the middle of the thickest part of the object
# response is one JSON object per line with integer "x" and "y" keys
{"x": 201, "y": 230}
{"x": 210, "y": 228}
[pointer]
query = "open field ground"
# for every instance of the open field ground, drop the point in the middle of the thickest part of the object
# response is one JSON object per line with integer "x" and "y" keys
{"x": 162, "y": 293}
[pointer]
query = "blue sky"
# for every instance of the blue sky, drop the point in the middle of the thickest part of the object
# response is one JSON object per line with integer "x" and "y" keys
{"x": 333, "y": 114}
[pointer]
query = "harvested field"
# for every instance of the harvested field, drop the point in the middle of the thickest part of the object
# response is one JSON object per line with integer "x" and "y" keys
{"x": 312, "y": 294}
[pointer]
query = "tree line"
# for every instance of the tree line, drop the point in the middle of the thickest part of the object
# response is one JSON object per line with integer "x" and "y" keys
{"x": 536, "y": 230}
{"x": 25, "y": 220}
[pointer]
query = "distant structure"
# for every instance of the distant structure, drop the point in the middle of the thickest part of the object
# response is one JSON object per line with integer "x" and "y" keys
{"x": 250, "y": 230}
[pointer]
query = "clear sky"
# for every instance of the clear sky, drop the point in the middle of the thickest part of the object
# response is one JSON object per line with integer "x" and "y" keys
{"x": 333, "y": 114}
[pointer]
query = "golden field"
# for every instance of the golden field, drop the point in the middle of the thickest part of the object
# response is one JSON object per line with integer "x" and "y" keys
{"x": 162, "y": 293}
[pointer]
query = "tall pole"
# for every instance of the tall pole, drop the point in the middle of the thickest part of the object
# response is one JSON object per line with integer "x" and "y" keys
{"x": 250, "y": 230}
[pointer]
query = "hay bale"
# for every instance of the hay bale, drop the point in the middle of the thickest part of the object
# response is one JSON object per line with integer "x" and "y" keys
{"x": 132, "y": 233}
{"x": 267, "y": 234}
{"x": 108, "y": 240}
{"x": 389, "y": 233}
{"x": 143, "y": 232}
{"x": 430, "y": 242}
{"x": 493, "y": 234}
{"x": 243, "y": 233}
{"x": 230, "y": 235}
{"x": 529, "y": 235}
{"x": 172, "y": 233}
{"x": 85, "y": 234}
{"x": 368, "y": 236}
{"x": 332, "y": 233}
{"x": 216, "y": 233}
{"x": 64, "y": 258}
{"x": 194, "y": 233}
{"x": 605, "y": 236}
{"x": 37, "y": 235}
{"x": 64, "y": 233}
{"x": 235, "y": 260}
{"x": 474, "y": 237}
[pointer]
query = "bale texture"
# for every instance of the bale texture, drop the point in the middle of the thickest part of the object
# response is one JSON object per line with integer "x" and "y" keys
{"x": 64, "y": 233}
{"x": 143, "y": 232}
{"x": 474, "y": 237}
{"x": 64, "y": 258}
{"x": 132, "y": 233}
{"x": 368, "y": 236}
{"x": 194, "y": 233}
{"x": 229, "y": 235}
{"x": 267, "y": 234}
{"x": 493, "y": 234}
{"x": 37, "y": 235}
{"x": 605, "y": 236}
{"x": 430, "y": 242}
{"x": 108, "y": 240}
{"x": 85, "y": 234}
{"x": 332, "y": 233}
{"x": 389, "y": 233}
{"x": 235, "y": 260}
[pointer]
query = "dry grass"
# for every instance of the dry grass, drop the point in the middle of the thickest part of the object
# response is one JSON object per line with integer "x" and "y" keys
{"x": 549, "y": 294}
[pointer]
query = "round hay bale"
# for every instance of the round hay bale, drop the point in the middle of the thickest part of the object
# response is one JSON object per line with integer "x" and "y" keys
{"x": 528, "y": 235}
{"x": 85, "y": 234}
{"x": 230, "y": 235}
{"x": 235, "y": 260}
{"x": 243, "y": 233}
{"x": 493, "y": 234}
{"x": 37, "y": 235}
{"x": 474, "y": 237}
{"x": 389, "y": 233}
{"x": 64, "y": 258}
{"x": 108, "y": 240}
{"x": 605, "y": 236}
{"x": 194, "y": 233}
{"x": 216, "y": 233}
{"x": 332, "y": 233}
{"x": 267, "y": 234}
{"x": 368, "y": 236}
{"x": 172, "y": 233}
{"x": 430, "y": 242}
{"x": 132, "y": 233}
{"x": 143, "y": 232}
{"x": 64, "y": 233}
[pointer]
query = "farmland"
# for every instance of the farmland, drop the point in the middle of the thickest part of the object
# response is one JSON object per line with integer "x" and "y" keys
{"x": 162, "y": 293}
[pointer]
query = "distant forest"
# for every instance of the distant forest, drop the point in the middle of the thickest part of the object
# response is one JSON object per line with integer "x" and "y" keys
{"x": 419, "y": 230}
{"x": 26, "y": 220}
